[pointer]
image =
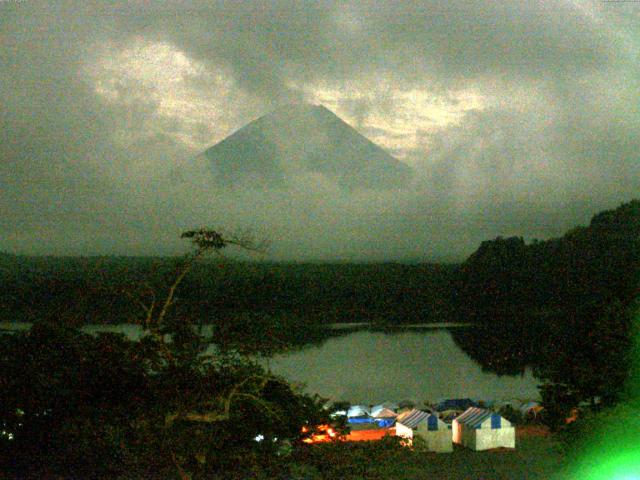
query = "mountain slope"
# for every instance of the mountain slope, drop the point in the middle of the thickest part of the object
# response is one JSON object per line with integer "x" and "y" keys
{"x": 303, "y": 138}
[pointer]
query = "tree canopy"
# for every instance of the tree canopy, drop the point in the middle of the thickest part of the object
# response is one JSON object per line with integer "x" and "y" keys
{"x": 563, "y": 306}
{"x": 169, "y": 405}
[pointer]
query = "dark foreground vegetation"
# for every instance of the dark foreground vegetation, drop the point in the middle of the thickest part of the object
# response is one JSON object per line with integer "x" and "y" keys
{"x": 78, "y": 406}
{"x": 172, "y": 405}
{"x": 178, "y": 405}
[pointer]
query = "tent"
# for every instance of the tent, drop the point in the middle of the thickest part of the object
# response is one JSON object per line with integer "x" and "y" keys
{"x": 370, "y": 424}
{"x": 531, "y": 409}
{"x": 361, "y": 419}
{"x": 386, "y": 407}
{"x": 384, "y": 422}
{"x": 480, "y": 429}
{"x": 382, "y": 412}
{"x": 357, "y": 411}
{"x": 406, "y": 422}
{"x": 390, "y": 405}
{"x": 434, "y": 431}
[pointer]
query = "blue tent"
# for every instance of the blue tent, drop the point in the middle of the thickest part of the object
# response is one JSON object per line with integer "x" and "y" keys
{"x": 374, "y": 422}
{"x": 385, "y": 422}
{"x": 361, "y": 419}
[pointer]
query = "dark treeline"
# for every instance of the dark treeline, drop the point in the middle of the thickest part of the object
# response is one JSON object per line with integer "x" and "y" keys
{"x": 563, "y": 306}
{"x": 107, "y": 289}
{"x": 598, "y": 264}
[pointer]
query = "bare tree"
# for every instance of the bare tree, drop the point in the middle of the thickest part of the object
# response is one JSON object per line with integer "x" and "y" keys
{"x": 205, "y": 240}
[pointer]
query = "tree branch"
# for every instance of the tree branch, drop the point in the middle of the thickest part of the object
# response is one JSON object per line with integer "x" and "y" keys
{"x": 217, "y": 416}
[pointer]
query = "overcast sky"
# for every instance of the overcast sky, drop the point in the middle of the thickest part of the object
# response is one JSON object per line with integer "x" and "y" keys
{"x": 520, "y": 117}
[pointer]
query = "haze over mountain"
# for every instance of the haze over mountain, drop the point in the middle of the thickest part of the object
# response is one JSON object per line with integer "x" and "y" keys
{"x": 516, "y": 118}
{"x": 271, "y": 150}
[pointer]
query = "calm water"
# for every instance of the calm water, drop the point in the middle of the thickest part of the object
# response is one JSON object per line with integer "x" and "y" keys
{"x": 368, "y": 367}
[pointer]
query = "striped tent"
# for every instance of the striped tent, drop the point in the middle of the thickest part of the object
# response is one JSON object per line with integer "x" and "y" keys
{"x": 480, "y": 429}
{"x": 412, "y": 418}
{"x": 429, "y": 427}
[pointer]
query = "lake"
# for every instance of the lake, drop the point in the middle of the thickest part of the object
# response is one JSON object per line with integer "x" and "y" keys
{"x": 370, "y": 367}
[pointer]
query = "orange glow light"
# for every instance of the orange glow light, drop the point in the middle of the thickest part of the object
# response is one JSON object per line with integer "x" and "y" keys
{"x": 327, "y": 434}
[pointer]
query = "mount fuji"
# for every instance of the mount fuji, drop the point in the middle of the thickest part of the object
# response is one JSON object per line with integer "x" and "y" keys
{"x": 303, "y": 138}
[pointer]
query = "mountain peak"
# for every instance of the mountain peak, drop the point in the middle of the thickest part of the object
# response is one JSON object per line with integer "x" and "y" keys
{"x": 301, "y": 137}
{"x": 296, "y": 110}
{"x": 302, "y": 107}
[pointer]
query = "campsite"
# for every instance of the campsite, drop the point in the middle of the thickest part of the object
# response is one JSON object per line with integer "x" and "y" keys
{"x": 537, "y": 457}
{"x": 474, "y": 427}
{"x": 427, "y": 449}
{"x": 396, "y": 440}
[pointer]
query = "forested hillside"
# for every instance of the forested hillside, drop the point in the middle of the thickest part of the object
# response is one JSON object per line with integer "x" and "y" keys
{"x": 107, "y": 289}
{"x": 598, "y": 264}
{"x": 564, "y": 306}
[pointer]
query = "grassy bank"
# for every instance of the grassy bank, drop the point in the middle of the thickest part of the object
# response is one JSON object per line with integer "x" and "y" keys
{"x": 537, "y": 456}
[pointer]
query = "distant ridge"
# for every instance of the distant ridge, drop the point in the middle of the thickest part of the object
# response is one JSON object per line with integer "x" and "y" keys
{"x": 303, "y": 138}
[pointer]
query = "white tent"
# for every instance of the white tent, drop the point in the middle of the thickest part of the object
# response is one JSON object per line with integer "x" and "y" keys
{"x": 382, "y": 412}
{"x": 531, "y": 409}
{"x": 480, "y": 429}
{"x": 358, "y": 411}
{"x": 429, "y": 427}
{"x": 390, "y": 405}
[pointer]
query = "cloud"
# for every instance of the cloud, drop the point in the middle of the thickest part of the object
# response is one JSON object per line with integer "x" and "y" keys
{"x": 518, "y": 117}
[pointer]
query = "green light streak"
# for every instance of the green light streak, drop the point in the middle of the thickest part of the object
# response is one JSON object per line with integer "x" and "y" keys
{"x": 613, "y": 450}
{"x": 621, "y": 466}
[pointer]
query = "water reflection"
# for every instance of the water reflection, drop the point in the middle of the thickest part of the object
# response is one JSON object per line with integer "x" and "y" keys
{"x": 367, "y": 364}
{"x": 369, "y": 367}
